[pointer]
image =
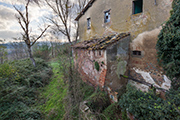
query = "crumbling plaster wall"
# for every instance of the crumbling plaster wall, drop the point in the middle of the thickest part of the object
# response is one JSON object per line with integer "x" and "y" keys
{"x": 85, "y": 62}
{"x": 145, "y": 67}
{"x": 122, "y": 19}
{"x": 117, "y": 63}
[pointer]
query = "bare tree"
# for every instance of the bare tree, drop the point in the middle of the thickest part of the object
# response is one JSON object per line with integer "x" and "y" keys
{"x": 64, "y": 14}
{"x": 23, "y": 20}
{"x": 61, "y": 21}
{"x": 81, "y": 4}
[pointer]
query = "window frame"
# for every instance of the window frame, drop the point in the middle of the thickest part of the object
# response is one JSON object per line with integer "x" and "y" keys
{"x": 134, "y": 7}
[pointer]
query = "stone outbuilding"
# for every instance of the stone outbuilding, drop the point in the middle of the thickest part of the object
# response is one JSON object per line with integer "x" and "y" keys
{"x": 100, "y": 61}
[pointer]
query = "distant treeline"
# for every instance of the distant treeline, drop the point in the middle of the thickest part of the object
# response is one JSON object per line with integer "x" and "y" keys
{"x": 18, "y": 50}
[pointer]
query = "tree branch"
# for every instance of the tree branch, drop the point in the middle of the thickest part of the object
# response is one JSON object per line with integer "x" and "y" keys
{"x": 40, "y": 35}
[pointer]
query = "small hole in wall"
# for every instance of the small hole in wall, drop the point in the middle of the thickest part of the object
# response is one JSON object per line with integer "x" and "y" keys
{"x": 137, "y": 53}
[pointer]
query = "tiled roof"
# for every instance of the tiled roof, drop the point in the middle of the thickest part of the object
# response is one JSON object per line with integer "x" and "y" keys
{"x": 100, "y": 43}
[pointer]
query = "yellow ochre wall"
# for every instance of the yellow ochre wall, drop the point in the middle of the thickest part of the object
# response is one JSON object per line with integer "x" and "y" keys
{"x": 122, "y": 19}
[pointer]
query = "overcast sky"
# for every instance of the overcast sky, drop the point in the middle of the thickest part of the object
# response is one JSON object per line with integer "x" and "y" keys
{"x": 9, "y": 27}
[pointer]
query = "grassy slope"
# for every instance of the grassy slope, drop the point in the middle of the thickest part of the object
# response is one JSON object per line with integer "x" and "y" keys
{"x": 54, "y": 93}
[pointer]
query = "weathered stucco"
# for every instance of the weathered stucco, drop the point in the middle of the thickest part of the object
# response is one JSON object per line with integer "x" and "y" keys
{"x": 122, "y": 19}
{"x": 117, "y": 63}
{"x": 145, "y": 67}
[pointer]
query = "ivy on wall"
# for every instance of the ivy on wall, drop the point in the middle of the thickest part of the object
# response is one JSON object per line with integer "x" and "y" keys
{"x": 168, "y": 46}
{"x": 149, "y": 106}
{"x": 97, "y": 67}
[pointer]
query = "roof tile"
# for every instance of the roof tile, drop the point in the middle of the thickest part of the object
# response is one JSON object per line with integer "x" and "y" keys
{"x": 100, "y": 43}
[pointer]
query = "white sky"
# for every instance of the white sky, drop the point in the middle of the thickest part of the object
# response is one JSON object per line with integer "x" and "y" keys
{"x": 9, "y": 27}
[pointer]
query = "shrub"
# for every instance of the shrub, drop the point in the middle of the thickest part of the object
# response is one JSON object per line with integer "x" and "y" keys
{"x": 147, "y": 105}
{"x": 33, "y": 76}
{"x": 18, "y": 88}
{"x": 168, "y": 46}
{"x": 8, "y": 75}
{"x": 112, "y": 112}
{"x": 98, "y": 101}
{"x": 174, "y": 97}
{"x": 42, "y": 50}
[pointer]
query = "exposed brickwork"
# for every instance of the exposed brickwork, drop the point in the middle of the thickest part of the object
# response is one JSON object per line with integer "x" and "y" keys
{"x": 85, "y": 62}
{"x": 102, "y": 77}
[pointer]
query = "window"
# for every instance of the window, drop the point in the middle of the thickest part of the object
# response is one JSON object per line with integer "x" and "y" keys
{"x": 88, "y": 23}
{"x": 99, "y": 53}
{"x": 137, "y": 6}
{"x": 107, "y": 16}
{"x": 137, "y": 53}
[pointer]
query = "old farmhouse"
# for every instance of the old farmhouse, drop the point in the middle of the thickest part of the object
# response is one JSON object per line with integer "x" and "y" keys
{"x": 119, "y": 37}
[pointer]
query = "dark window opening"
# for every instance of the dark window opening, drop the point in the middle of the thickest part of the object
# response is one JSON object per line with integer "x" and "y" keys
{"x": 88, "y": 23}
{"x": 107, "y": 16}
{"x": 99, "y": 53}
{"x": 136, "y": 53}
{"x": 137, "y": 6}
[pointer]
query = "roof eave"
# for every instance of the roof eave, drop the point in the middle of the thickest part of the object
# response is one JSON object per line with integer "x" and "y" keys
{"x": 85, "y": 9}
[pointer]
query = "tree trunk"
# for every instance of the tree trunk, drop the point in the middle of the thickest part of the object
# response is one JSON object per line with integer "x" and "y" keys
{"x": 52, "y": 49}
{"x": 31, "y": 56}
{"x": 1, "y": 60}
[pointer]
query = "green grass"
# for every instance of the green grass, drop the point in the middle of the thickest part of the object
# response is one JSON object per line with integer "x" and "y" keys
{"x": 53, "y": 95}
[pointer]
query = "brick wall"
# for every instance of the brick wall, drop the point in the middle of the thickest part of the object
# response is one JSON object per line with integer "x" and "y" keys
{"x": 85, "y": 63}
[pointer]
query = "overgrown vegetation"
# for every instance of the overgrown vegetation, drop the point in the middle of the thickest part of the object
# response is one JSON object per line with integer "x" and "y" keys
{"x": 3, "y": 54}
{"x": 47, "y": 50}
{"x": 52, "y": 96}
{"x": 96, "y": 64}
{"x": 59, "y": 99}
{"x": 98, "y": 101}
{"x": 42, "y": 50}
{"x": 77, "y": 89}
{"x": 149, "y": 106}
{"x": 168, "y": 46}
{"x": 112, "y": 112}
{"x": 19, "y": 81}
